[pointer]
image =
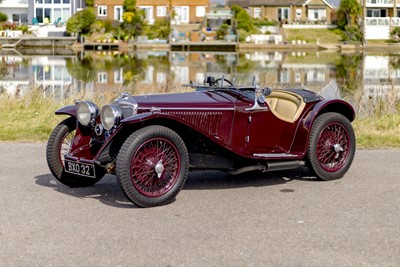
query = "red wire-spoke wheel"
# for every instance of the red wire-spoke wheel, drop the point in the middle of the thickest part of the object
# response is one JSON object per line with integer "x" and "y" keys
{"x": 155, "y": 167}
{"x": 65, "y": 145}
{"x": 152, "y": 166}
{"x": 331, "y": 146}
{"x": 58, "y": 146}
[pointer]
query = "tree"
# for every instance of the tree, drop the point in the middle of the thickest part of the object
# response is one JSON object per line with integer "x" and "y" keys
{"x": 349, "y": 16}
{"x": 349, "y": 13}
{"x": 129, "y": 5}
{"x": 133, "y": 19}
{"x": 243, "y": 19}
{"x": 80, "y": 22}
{"x": 89, "y": 3}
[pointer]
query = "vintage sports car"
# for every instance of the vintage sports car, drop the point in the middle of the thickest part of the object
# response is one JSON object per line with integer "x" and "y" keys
{"x": 151, "y": 142}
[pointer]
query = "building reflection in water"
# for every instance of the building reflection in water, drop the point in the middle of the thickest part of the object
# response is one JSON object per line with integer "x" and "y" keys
{"x": 61, "y": 77}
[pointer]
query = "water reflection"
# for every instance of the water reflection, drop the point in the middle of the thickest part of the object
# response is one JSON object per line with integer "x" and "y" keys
{"x": 370, "y": 75}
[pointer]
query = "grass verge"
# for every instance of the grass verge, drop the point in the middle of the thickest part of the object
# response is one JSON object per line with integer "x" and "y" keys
{"x": 31, "y": 119}
{"x": 378, "y": 131}
{"x": 324, "y": 36}
{"x": 27, "y": 119}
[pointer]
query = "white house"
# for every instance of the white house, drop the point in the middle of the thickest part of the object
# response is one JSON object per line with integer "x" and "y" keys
{"x": 380, "y": 17}
{"x": 53, "y": 11}
{"x": 16, "y": 10}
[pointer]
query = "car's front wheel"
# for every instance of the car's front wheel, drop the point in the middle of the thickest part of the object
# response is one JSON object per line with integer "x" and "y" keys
{"x": 58, "y": 146}
{"x": 152, "y": 166}
{"x": 331, "y": 146}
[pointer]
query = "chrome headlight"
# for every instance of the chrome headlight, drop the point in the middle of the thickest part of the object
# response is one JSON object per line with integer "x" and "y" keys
{"x": 110, "y": 116}
{"x": 87, "y": 113}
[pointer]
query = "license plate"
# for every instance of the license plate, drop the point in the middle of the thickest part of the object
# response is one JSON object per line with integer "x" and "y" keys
{"x": 78, "y": 168}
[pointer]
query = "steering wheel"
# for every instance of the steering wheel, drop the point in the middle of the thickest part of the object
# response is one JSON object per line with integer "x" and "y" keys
{"x": 220, "y": 81}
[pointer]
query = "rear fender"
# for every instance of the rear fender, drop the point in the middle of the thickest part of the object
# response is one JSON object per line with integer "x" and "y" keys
{"x": 301, "y": 139}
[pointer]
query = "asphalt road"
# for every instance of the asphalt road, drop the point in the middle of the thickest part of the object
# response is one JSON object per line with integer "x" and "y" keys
{"x": 283, "y": 219}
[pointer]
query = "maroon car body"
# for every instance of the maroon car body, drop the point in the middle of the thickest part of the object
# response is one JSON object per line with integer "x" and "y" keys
{"x": 152, "y": 141}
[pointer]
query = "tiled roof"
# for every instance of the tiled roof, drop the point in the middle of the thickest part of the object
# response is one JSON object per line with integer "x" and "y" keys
{"x": 276, "y": 3}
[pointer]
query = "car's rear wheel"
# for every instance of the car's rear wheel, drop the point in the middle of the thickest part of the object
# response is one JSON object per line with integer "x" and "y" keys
{"x": 58, "y": 146}
{"x": 331, "y": 146}
{"x": 152, "y": 166}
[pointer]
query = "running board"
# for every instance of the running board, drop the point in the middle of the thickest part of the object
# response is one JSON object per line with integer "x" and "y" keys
{"x": 271, "y": 166}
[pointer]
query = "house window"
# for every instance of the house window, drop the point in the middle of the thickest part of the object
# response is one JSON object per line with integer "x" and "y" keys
{"x": 257, "y": 12}
{"x": 66, "y": 1}
{"x": 317, "y": 14}
{"x": 315, "y": 76}
{"x": 102, "y": 10}
{"x": 39, "y": 15}
{"x": 284, "y": 76}
{"x": 297, "y": 77}
{"x": 182, "y": 14}
{"x": 47, "y": 15}
{"x": 298, "y": 12}
{"x": 181, "y": 74}
{"x": 118, "y": 76}
{"x": 118, "y": 11}
{"x": 376, "y": 13}
{"x": 161, "y": 11}
{"x": 66, "y": 14}
{"x": 102, "y": 77}
{"x": 148, "y": 11}
{"x": 161, "y": 77}
{"x": 283, "y": 13}
{"x": 57, "y": 14}
{"x": 200, "y": 11}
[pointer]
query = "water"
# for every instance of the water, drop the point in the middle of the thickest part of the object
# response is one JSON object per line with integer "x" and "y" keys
{"x": 364, "y": 78}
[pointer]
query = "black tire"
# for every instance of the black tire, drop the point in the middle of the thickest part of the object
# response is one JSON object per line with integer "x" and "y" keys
{"x": 152, "y": 166}
{"x": 57, "y": 146}
{"x": 331, "y": 146}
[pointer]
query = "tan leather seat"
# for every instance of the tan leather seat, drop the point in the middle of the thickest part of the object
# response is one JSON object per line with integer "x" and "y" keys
{"x": 285, "y": 105}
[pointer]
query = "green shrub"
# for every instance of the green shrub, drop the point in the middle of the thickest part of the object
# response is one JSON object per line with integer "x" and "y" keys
{"x": 242, "y": 35}
{"x": 3, "y": 17}
{"x": 222, "y": 31}
{"x": 352, "y": 34}
{"x": 395, "y": 34}
{"x": 81, "y": 21}
{"x": 263, "y": 22}
{"x": 160, "y": 29}
{"x": 243, "y": 19}
{"x": 23, "y": 28}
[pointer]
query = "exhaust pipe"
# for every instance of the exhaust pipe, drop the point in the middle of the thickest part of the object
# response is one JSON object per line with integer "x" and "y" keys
{"x": 271, "y": 166}
{"x": 285, "y": 165}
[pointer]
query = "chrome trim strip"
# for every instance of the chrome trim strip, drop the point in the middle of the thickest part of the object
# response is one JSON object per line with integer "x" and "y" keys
{"x": 280, "y": 155}
{"x": 200, "y": 109}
